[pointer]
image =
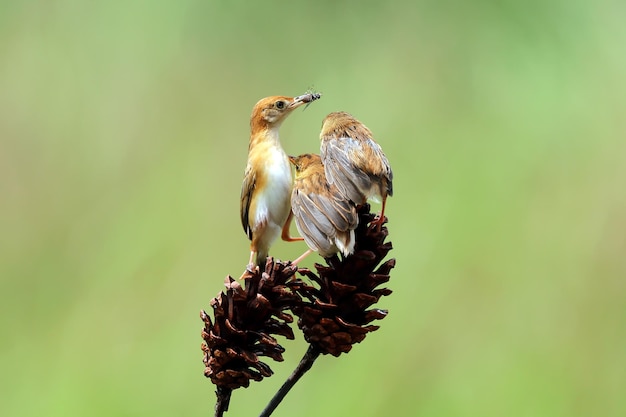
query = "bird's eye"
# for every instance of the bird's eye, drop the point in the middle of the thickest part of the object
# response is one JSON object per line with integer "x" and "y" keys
{"x": 280, "y": 105}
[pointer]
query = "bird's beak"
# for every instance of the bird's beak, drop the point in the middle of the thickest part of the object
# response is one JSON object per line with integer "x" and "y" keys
{"x": 292, "y": 159}
{"x": 304, "y": 99}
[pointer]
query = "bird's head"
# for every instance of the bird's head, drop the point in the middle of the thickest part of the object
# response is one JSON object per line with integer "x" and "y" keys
{"x": 338, "y": 120}
{"x": 306, "y": 161}
{"x": 270, "y": 112}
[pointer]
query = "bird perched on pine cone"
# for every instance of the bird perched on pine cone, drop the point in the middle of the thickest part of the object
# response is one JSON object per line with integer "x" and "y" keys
{"x": 324, "y": 217}
{"x": 354, "y": 162}
{"x": 267, "y": 183}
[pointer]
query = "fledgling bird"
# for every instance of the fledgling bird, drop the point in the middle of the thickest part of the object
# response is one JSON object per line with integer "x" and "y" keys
{"x": 267, "y": 182}
{"x": 324, "y": 217}
{"x": 354, "y": 162}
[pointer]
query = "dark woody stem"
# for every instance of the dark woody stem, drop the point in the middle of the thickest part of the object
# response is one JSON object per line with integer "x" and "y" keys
{"x": 305, "y": 364}
{"x": 223, "y": 399}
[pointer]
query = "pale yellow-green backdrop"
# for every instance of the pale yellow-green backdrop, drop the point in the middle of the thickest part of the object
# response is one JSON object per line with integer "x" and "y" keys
{"x": 124, "y": 129}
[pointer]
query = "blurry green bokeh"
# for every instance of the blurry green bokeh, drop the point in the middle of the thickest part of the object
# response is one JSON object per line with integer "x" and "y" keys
{"x": 123, "y": 139}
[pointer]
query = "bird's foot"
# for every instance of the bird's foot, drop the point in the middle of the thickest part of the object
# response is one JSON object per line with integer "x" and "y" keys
{"x": 379, "y": 220}
{"x": 251, "y": 269}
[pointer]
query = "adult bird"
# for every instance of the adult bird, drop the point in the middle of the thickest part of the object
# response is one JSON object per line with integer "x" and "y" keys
{"x": 354, "y": 162}
{"x": 267, "y": 182}
{"x": 325, "y": 218}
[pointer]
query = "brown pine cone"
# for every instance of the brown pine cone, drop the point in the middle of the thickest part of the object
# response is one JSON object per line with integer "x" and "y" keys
{"x": 244, "y": 321}
{"x": 335, "y": 314}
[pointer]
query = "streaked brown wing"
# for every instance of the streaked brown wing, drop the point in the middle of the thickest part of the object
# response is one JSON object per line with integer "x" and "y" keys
{"x": 247, "y": 189}
{"x": 341, "y": 171}
{"x": 322, "y": 217}
{"x": 379, "y": 164}
{"x": 338, "y": 211}
{"x": 309, "y": 229}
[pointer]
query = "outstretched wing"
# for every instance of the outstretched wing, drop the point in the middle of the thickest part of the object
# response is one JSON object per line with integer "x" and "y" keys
{"x": 325, "y": 221}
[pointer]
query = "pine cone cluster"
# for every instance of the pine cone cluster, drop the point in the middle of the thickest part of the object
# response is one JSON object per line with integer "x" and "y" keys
{"x": 333, "y": 308}
{"x": 335, "y": 314}
{"x": 244, "y": 321}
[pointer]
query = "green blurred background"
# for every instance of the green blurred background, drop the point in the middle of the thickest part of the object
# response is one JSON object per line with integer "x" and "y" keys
{"x": 124, "y": 131}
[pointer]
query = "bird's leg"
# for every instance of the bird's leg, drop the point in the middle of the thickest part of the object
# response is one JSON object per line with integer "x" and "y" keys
{"x": 286, "y": 236}
{"x": 381, "y": 219}
{"x": 301, "y": 257}
{"x": 251, "y": 264}
{"x": 251, "y": 268}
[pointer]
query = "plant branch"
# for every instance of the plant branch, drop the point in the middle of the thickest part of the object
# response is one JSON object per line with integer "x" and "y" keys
{"x": 305, "y": 364}
{"x": 223, "y": 400}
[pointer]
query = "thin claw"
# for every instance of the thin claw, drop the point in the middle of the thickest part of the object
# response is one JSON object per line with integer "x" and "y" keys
{"x": 251, "y": 269}
{"x": 379, "y": 221}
